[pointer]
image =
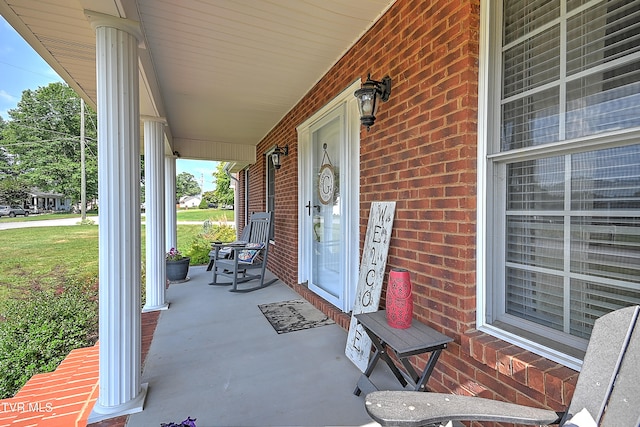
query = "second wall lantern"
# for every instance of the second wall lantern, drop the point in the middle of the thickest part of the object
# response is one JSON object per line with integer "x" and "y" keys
{"x": 369, "y": 96}
{"x": 277, "y": 153}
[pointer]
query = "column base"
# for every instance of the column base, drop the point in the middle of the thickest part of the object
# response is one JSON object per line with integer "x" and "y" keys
{"x": 147, "y": 309}
{"x": 100, "y": 413}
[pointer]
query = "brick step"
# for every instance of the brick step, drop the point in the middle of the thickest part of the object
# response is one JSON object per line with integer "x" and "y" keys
{"x": 63, "y": 397}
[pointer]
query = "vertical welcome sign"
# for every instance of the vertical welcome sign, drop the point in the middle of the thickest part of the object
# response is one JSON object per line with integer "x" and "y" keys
{"x": 372, "y": 267}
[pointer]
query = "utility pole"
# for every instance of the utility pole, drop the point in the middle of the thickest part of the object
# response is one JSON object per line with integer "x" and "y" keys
{"x": 83, "y": 178}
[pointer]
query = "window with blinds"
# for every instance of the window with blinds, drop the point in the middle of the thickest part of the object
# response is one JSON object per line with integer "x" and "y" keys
{"x": 566, "y": 163}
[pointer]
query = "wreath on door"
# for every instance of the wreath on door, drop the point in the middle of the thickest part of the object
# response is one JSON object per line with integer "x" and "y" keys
{"x": 326, "y": 180}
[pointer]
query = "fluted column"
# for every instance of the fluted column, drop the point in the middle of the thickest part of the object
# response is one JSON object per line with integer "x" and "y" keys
{"x": 121, "y": 391}
{"x": 171, "y": 233}
{"x": 154, "y": 212}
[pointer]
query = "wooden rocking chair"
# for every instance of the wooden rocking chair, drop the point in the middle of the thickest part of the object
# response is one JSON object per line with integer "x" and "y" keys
{"x": 608, "y": 389}
{"x": 250, "y": 255}
{"x": 221, "y": 250}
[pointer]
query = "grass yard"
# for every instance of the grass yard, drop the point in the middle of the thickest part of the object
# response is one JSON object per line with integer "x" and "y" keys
{"x": 216, "y": 215}
{"x": 39, "y": 256}
{"x": 48, "y": 297}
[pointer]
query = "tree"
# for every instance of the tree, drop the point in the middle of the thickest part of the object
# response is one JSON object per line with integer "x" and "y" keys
{"x": 208, "y": 197}
{"x": 223, "y": 191}
{"x": 5, "y": 157}
{"x": 186, "y": 185}
{"x": 13, "y": 190}
{"x": 43, "y": 139}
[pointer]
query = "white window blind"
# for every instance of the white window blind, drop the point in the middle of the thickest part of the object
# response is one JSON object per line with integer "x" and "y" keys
{"x": 570, "y": 217}
{"x": 573, "y": 225}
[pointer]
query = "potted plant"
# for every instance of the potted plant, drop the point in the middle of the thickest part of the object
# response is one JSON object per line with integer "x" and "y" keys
{"x": 177, "y": 265}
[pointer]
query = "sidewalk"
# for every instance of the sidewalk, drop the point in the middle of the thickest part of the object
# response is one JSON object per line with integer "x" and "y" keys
{"x": 69, "y": 221}
{"x": 44, "y": 223}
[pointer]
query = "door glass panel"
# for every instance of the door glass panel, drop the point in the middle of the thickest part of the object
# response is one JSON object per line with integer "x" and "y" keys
{"x": 327, "y": 244}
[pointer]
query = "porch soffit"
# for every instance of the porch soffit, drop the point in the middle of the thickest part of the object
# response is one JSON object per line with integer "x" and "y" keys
{"x": 222, "y": 72}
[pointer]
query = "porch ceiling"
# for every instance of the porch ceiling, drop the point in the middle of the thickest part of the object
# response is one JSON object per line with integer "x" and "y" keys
{"x": 222, "y": 72}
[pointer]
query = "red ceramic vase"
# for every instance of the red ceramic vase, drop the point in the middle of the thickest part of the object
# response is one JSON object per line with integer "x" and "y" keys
{"x": 399, "y": 299}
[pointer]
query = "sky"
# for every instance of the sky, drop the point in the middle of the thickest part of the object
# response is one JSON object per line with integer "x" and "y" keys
{"x": 22, "y": 68}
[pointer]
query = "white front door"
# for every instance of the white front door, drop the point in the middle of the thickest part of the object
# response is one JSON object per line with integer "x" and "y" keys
{"x": 329, "y": 201}
{"x": 327, "y": 246}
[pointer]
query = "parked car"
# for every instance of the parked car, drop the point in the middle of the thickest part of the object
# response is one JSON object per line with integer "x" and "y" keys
{"x": 12, "y": 211}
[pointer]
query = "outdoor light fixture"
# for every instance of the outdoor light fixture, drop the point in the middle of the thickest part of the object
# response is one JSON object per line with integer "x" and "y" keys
{"x": 369, "y": 96}
{"x": 277, "y": 153}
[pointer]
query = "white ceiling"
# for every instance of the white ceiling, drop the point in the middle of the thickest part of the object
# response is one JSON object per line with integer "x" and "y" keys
{"x": 222, "y": 72}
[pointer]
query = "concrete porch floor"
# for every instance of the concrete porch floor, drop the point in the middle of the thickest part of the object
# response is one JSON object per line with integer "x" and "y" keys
{"x": 216, "y": 358}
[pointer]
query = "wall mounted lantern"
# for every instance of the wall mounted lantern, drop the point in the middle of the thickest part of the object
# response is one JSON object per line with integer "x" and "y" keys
{"x": 277, "y": 153}
{"x": 369, "y": 96}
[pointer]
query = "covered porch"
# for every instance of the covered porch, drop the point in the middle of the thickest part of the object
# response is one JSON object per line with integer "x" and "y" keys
{"x": 215, "y": 357}
{"x": 482, "y": 162}
{"x": 171, "y": 80}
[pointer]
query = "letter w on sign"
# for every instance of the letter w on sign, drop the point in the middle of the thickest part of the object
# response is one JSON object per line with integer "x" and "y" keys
{"x": 372, "y": 267}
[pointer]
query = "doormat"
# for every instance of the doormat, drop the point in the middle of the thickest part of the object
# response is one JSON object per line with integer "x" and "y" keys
{"x": 294, "y": 315}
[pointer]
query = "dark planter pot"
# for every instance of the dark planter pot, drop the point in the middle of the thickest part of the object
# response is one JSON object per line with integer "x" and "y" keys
{"x": 178, "y": 270}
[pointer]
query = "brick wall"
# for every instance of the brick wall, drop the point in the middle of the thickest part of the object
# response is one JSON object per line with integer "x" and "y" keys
{"x": 422, "y": 153}
{"x": 240, "y": 214}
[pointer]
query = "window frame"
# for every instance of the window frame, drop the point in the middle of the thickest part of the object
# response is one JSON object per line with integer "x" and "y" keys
{"x": 270, "y": 189}
{"x": 491, "y": 201}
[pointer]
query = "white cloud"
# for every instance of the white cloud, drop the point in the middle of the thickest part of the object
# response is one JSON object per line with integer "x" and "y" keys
{"x": 4, "y": 96}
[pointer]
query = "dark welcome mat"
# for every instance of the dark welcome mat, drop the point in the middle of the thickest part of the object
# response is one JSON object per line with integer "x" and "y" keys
{"x": 294, "y": 315}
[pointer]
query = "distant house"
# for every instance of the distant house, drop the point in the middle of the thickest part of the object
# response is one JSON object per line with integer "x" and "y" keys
{"x": 190, "y": 201}
{"x": 43, "y": 201}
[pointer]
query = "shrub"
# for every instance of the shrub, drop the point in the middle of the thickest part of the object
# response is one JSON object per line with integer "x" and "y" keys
{"x": 201, "y": 244}
{"x": 39, "y": 331}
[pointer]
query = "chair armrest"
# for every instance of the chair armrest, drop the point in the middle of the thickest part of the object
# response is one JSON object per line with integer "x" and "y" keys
{"x": 219, "y": 244}
{"x": 411, "y": 408}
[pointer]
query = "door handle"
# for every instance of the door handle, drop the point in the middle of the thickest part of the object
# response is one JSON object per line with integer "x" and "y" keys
{"x": 308, "y": 206}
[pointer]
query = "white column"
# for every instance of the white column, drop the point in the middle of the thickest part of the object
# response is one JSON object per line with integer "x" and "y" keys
{"x": 120, "y": 391}
{"x": 171, "y": 233}
{"x": 154, "y": 222}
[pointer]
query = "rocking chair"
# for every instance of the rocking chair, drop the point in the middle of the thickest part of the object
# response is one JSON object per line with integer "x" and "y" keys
{"x": 245, "y": 256}
{"x": 224, "y": 251}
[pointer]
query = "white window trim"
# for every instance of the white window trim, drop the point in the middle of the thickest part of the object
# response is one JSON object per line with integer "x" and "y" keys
{"x": 485, "y": 231}
{"x": 350, "y": 176}
{"x": 269, "y": 164}
{"x": 490, "y": 220}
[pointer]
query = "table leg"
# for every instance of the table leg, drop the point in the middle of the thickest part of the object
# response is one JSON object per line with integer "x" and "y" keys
{"x": 369, "y": 370}
{"x": 431, "y": 363}
{"x": 381, "y": 348}
{"x": 410, "y": 370}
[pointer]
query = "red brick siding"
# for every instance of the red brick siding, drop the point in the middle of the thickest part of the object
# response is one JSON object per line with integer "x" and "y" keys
{"x": 240, "y": 202}
{"x": 422, "y": 153}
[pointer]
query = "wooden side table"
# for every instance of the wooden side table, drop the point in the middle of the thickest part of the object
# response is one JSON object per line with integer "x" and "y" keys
{"x": 417, "y": 339}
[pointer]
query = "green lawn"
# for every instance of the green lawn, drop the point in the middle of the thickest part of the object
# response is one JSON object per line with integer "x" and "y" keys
{"x": 205, "y": 214}
{"x": 39, "y": 256}
{"x": 183, "y": 215}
